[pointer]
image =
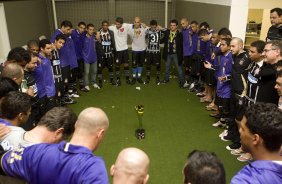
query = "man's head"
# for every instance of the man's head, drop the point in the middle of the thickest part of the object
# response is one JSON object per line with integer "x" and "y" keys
{"x": 66, "y": 27}
{"x": 215, "y": 38}
{"x": 272, "y": 51}
{"x": 7, "y": 85}
{"x": 90, "y": 29}
{"x": 14, "y": 72}
{"x": 92, "y": 122}
{"x": 173, "y": 25}
{"x": 224, "y": 33}
{"x": 45, "y": 47}
{"x": 19, "y": 55}
{"x": 225, "y": 45}
{"x": 204, "y": 25}
{"x": 131, "y": 166}
{"x": 184, "y": 23}
{"x": 256, "y": 50}
{"x": 204, "y": 35}
{"x": 153, "y": 25}
{"x": 194, "y": 26}
{"x": 236, "y": 46}
{"x": 81, "y": 27}
{"x": 16, "y": 106}
{"x": 105, "y": 25}
{"x": 203, "y": 168}
{"x": 59, "y": 41}
{"x": 32, "y": 46}
{"x": 261, "y": 129}
{"x": 276, "y": 16}
{"x": 32, "y": 64}
{"x": 278, "y": 85}
{"x": 137, "y": 22}
{"x": 119, "y": 22}
{"x": 60, "y": 121}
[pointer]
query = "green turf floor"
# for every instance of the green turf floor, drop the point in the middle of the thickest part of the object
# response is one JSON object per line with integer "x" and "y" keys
{"x": 175, "y": 122}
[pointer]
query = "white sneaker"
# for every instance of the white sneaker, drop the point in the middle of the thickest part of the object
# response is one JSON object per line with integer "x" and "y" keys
{"x": 87, "y": 87}
{"x": 96, "y": 86}
{"x": 185, "y": 85}
{"x": 192, "y": 85}
{"x": 224, "y": 133}
{"x": 218, "y": 124}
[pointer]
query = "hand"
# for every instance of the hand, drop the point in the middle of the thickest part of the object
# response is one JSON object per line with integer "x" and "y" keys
{"x": 207, "y": 64}
{"x": 213, "y": 55}
{"x": 4, "y": 130}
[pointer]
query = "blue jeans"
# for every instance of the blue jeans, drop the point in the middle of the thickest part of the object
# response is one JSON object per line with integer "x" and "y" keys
{"x": 173, "y": 59}
{"x": 90, "y": 69}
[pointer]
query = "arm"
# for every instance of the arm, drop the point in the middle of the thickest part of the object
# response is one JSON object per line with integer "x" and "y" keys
{"x": 4, "y": 130}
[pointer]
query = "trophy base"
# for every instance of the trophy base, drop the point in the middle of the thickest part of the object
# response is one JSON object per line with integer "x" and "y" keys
{"x": 140, "y": 133}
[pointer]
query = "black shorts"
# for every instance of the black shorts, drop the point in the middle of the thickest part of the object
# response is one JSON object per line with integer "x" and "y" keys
{"x": 105, "y": 62}
{"x": 153, "y": 58}
{"x": 197, "y": 64}
{"x": 138, "y": 58}
{"x": 65, "y": 74}
{"x": 187, "y": 62}
{"x": 122, "y": 57}
{"x": 223, "y": 105}
{"x": 210, "y": 78}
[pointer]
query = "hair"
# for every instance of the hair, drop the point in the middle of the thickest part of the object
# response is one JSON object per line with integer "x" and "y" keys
{"x": 20, "y": 55}
{"x": 227, "y": 41}
{"x": 174, "y": 21}
{"x": 259, "y": 45}
{"x": 32, "y": 54}
{"x": 14, "y": 103}
{"x": 119, "y": 20}
{"x": 105, "y": 22}
{"x": 205, "y": 25}
{"x": 194, "y": 22}
{"x": 12, "y": 70}
{"x": 43, "y": 43}
{"x": 153, "y": 23}
{"x": 60, "y": 37}
{"x": 7, "y": 85}
{"x": 225, "y": 32}
{"x": 203, "y": 168}
{"x": 89, "y": 25}
{"x": 203, "y": 32}
{"x": 31, "y": 43}
{"x": 66, "y": 23}
{"x": 81, "y": 23}
{"x": 277, "y": 10}
{"x": 265, "y": 119}
{"x": 277, "y": 44}
{"x": 59, "y": 117}
{"x": 279, "y": 73}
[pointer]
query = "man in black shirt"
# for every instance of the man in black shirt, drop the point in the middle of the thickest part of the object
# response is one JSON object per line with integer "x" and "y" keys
{"x": 275, "y": 31}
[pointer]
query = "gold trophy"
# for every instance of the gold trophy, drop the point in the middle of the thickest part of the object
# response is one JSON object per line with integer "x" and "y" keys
{"x": 140, "y": 132}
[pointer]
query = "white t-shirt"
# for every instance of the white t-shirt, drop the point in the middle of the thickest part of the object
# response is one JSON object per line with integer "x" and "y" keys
{"x": 138, "y": 38}
{"x": 121, "y": 36}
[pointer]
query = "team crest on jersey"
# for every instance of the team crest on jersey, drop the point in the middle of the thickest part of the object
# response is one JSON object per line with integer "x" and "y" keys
{"x": 121, "y": 29}
{"x": 241, "y": 62}
{"x": 257, "y": 71}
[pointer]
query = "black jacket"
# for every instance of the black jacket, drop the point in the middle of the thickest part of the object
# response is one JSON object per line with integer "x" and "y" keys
{"x": 179, "y": 45}
{"x": 274, "y": 33}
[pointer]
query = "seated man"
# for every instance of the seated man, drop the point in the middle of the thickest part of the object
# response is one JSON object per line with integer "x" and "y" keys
{"x": 131, "y": 167}
{"x": 71, "y": 162}
{"x": 261, "y": 135}
{"x": 203, "y": 168}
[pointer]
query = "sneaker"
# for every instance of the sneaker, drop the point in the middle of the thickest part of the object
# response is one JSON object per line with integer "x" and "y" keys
{"x": 84, "y": 89}
{"x": 118, "y": 82}
{"x": 158, "y": 82}
{"x": 233, "y": 146}
{"x": 219, "y": 124}
{"x": 186, "y": 85}
{"x": 68, "y": 101}
{"x": 74, "y": 95}
{"x": 96, "y": 86}
{"x": 140, "y": 81}
{"x": 87, "y": 87}
{"x": 245, "y": 157}
{"x": 224, "y": 133}
{"x": 129, "y": 82}
{"x": 192, "y": 85}
{"x": 112, "y": 81}
{"x": 226, "y": 138}
{"x": 147, "y": 81}
{"x": 164, "y": 81}
{"x": 133, "y": 81}
{"x": 238, "y": 151}
{"x": 200, "y": 94}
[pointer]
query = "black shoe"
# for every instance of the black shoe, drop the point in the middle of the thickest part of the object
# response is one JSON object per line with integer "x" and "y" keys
{"x": 140, "y": 81}
{"x": 233, "y": 146}
{"x": 164, "y": 81}
{"x": 147, "y": 81}
{"x": 113, "y": 82}
{"x": 228, "y": 137}
{"x": 66, "y": 100}
{"x": 118, "y": 82}
{"x": 133, "y": 81}
{"x": 84, "y": 90}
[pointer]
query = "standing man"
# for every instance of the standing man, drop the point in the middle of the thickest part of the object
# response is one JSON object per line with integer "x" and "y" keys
{"x": 275, "y": 31}
{"x": 137, "y": 34}
{"x": 173, "y": 52}
{"x": 105, "y": 52}
{"x": 121, "y": 30}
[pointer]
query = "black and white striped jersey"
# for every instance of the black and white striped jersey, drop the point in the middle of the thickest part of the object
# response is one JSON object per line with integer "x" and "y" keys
{"x": 153, "y": 40}
{"x": 106, "y": 42}
{"x": 55, "y": 63}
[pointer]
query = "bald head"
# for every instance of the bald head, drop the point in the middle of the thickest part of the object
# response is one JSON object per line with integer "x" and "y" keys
{"x": 92, "y": 119}
{"x": 13, "y": 71}
{"x": 237, "y": 46}
{"x": 137, "y": 22}
{"x": 131, "y": 167}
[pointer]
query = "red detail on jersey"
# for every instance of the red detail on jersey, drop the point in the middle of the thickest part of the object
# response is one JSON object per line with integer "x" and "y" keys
{"x": 121, "y": 29}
